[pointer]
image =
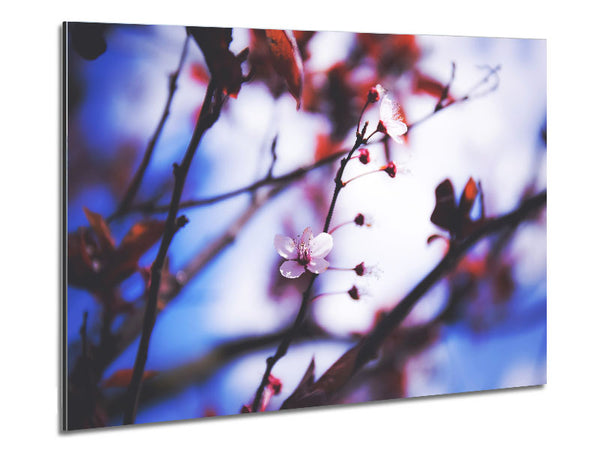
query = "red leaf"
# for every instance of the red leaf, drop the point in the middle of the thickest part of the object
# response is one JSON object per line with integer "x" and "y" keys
{"x": 199, "y": 74}
{"x": 322, "y": 391}
{"x": 122, "y": 378}
{"x": 468, "y": 198}
{"x": 456, "y": 218}
{"x": 93, "y": 261}
{"x": 308, "y": 379}
{"x": 424, "y": 84}
{"x": 140, "y": 238}
{"x": 101, "y": 230}
{"x": 286, "y": 60}
{"x": 224, "y": 67}
{"x": 444, "y": 214}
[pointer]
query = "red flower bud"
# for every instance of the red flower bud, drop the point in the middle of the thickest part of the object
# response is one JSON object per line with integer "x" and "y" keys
{"x": 364, "y": 156}
{"x": 360, "y": 269}
{"x": 390, "y": 169}
{"x": 359, "y": 219}
{"x": 353, "y": 292}
{"x": 373, "y": 96}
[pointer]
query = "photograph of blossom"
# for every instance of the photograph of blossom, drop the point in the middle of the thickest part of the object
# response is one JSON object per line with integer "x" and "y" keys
{"x": 259, "y": 220}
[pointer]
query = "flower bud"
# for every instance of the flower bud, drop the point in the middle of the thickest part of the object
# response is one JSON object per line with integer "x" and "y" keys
{"x": 360, "y": 269}
{"x": 364, "y": 156}
{"x": 390, "y": 169}
{"x": 375, "y": 93}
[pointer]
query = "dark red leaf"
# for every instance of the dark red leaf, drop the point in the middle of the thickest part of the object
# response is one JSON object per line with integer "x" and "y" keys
{"x": 323, "y": 390}
{"x": 224, "y": 67}
{"x": 101, "y": 230}
{"x": 286, "y": 60}
{"x": 140, "y": 238}
{"x": 467, "y": 198}
{"x": 444, "y": 214}
{"x": 308, "y": 379}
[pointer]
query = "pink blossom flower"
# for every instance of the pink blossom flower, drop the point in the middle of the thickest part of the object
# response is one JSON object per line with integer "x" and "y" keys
{"x": 391, "y": 120}
{"x": 306, "y": 252}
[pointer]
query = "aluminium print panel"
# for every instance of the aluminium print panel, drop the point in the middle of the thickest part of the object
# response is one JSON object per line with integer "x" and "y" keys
{"x": 259, "y": 220}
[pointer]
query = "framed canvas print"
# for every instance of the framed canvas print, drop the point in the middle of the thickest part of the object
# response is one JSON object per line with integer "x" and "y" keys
{"x": 258, "y": 220}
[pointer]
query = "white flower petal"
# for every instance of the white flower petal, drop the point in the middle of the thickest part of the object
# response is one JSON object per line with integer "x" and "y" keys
{"x": 321, "y": 245}
{"x": 318, "y": 265}
{"x": 396, "y": 130}
{"x": 291, "y": 269}
{"x": 285, "y": 246}
{"x": 390, "y": 116}
{"x": 307, "y": 235}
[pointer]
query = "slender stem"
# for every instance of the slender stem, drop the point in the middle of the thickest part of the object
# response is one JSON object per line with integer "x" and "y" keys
{"x": 470, "y": 94}
{"x": 141, "y": 170}
{"x": 368, "y": 138}
{"x": 361, "y": 116}
{"x": 338, "y": 226}
{"x": 208, "y": 116}
{"x": 288, "y": 177}
{"x": 362, "y": 175}
{"x": 306, "y": 297}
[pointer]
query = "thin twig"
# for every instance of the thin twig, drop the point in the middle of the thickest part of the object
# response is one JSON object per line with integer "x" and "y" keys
{"x": 140, "y": 172}
{"x": 150, "y": 207}
{"x": 306, "y": 297}
{"x": 273, "y": 158}
{"x": 211, "y": 108}
{"x": 492, "y": 71}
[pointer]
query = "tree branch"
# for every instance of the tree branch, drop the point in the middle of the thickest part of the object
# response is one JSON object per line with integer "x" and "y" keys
{"x": 139, "y": 174}
{"x": 150, "y": 207}
{"x": 211, "y": 108}
{"x": 300, "y": 316}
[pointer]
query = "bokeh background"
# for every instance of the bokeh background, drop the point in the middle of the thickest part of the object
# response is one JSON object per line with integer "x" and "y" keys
{"x": 497, "y": 336}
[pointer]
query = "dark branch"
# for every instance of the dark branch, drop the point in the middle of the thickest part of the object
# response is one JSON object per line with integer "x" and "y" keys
{"x": 139, "y": 174}
{"x": 211, "y": 108}
{"x": 306, "y": 297}
{"x": 290, "y": 176}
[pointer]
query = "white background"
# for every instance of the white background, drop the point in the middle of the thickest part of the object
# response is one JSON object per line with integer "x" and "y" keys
{"x": 565, "y": 412}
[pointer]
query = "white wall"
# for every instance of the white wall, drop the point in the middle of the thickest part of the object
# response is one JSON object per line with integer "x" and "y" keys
{"x": 564, "y": 412}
